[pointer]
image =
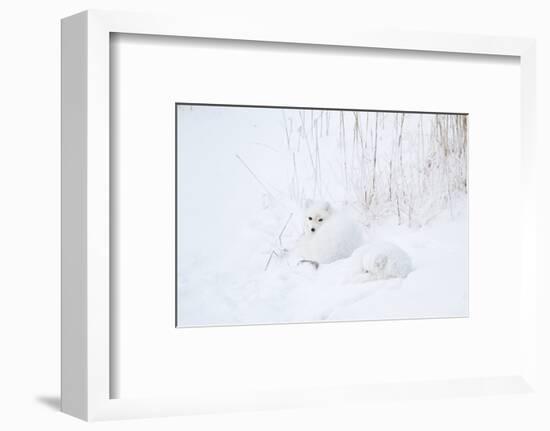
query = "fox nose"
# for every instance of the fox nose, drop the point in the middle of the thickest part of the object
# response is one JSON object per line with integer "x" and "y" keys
{"x": 313, "y": 229}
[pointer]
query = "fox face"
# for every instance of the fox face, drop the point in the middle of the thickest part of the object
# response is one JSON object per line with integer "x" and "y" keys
{"x": 316, "y": 215}
{"x": 374, "y": 265}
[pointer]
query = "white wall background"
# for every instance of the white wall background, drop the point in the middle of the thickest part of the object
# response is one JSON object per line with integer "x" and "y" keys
{"x": 29, "y": 211}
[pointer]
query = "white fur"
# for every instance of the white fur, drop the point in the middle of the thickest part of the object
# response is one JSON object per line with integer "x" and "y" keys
{"x": 380, "y": 260}
{"x": 329, "y": 235}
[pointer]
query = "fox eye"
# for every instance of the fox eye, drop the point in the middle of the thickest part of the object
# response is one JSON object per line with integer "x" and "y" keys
{"x": 309, "y": 218}
{"x": 320, "y": 220}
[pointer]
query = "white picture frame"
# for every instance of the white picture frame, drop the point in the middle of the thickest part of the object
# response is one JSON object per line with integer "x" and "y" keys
{"x": 86, "y": 312}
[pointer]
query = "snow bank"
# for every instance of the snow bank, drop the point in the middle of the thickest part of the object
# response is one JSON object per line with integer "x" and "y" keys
{"x": 239, "y": 290}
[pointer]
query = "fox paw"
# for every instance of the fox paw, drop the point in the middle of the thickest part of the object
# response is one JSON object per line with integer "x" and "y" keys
{"x": 311, "y": 262}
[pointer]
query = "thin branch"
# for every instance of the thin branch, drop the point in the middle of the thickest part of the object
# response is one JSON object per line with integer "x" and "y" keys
{"x": 284, "y": 228}
{"x": 254, "y": 175}
{"x": 269, "y": 260}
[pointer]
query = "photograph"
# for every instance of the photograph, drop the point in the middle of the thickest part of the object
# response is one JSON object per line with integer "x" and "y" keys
{"x": 297, "y": 215}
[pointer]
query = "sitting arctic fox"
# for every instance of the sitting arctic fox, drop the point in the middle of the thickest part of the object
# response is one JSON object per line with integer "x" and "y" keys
{"x": 380, "y": 260}
{"x": 329, "y": 235}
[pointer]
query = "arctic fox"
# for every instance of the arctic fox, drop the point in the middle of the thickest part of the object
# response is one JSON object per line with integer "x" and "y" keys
{"x": 380, "y": 260}
{"x": 329, "y": 235}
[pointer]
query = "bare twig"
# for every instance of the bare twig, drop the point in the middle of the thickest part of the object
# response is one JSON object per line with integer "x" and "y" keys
{"x": 254, "y": 175}
{"x": 284, "y": 228}
{"x": 269, "y": 260}
{"x": 273, "y": 252}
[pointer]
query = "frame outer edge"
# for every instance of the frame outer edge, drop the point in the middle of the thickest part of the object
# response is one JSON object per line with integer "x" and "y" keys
{"x": 74, "y": 306}
{"x": 97, "y": 225}
{"x": 530, "y": 307}
{"x": 85, "y": 184}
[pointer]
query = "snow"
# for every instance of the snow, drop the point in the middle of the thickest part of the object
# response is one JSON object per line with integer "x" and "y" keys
{"x": 241, "y": 217}
{"x": 241, "y": 292}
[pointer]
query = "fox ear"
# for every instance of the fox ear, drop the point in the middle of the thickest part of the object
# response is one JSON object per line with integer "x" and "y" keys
{"x": 327, "y": 206}
{"x": 308, "y": 203}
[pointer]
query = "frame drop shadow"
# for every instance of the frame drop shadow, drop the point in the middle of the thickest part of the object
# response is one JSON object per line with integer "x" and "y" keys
{"x": 53, "y": 402}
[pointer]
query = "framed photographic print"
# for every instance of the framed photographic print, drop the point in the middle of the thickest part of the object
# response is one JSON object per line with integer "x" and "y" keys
{"x": 259, "y": 218}
{"x": 289, "y": 215}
